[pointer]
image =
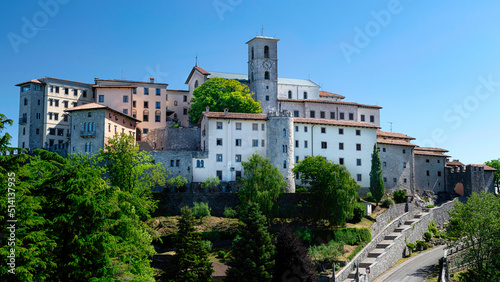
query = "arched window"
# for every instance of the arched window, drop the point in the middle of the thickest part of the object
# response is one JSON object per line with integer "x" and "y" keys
{"x": 198, "y": 163}
{"x": 289, "y": 94}
{"x": 86, "y": 147}
{"x": 305, "y": 95}
{"x": 266, "y": 51}
{"x": 24, "y": 130}
{"x": 284, "y": 132}
{"x": 157, "y": 116}
{"x": 175, "y": 103}
{"x": 196, "y": 84}
{"x": 252, "y": 76}
{"x": 134, "y": 113}
{"x": 145, "y": 115}
{"x": 252, "y": 53}
{"x": 202, "y": 163}
{"x": 93, "y": 126}
{"x": 25, "y": 101}
{"x": 266, "y": 75}
{"x": 91, "y": 147}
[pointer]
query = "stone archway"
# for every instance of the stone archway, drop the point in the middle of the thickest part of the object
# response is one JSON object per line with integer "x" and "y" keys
{"x": 459, "y": 189}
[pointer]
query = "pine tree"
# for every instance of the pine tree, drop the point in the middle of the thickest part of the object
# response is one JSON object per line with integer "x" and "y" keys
{"x": 190, "y": 262}
{"x": 252, "y": 251}
{"x": 292, "y": 259}
{"x": 376, "y": 181}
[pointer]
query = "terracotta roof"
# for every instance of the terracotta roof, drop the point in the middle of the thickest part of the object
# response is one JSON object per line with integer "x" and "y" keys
{"x": 455, "y": 163}
{"x": 381, "y": 133}
{"x": 329, "y": 94}
{"x": 431, "y": 149}
{"x": 329, "y": 102}
{"x": 334, "y": 122}
{"x": 395, "y": 142}
{"x": 30, "y": 81}
{"x": 485, "y": 167}
{"x": 96, "y": 106}
{"x": 113, "y": 86}
{"x": 174, "y": 90}
{"x": 220, "y": 115}
{"x": 129, "y": 81}
{"x": 200, "y": 69}
{"x": 429, "y": 153}
{"x": 42, "y": 81}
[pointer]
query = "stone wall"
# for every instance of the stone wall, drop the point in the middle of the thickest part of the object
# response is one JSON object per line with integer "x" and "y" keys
{"x": 178, "y": 162}
{"x": 389, "y": 215}
{"x": 175, "y": 139}
{"x": 397, "y": 167}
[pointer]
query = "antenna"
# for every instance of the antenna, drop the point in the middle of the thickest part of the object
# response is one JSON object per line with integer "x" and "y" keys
{"x": 196, "y": 63}
{"x": 390, "y": 124}
{"x": 262, "y": 31}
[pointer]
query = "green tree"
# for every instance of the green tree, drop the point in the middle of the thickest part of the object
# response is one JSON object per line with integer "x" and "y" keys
{"x": 252, "y": 252}
{"x": 177, "y": 182}
{"x": 263, "y": 183}
{"x": 332, "y": 190}
{"x": 133, "y": 171}
{"x": 190, "y": 262}
{"x": 293, "y": 262}
{"x": 376, "y": 180}
{"x": 218, "y": 94}
{"x": 480, "y": 234}
{"x": 5, "y": 139}
{"x": 496, "y": 165}
{"x": 210, "y": 183}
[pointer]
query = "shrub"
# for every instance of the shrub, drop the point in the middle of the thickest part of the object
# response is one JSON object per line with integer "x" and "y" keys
{"x": 176, "y": 125}
{"x": 221, "y": 255}
{"x": 433, "y": 229}
{"x": 300, "y": 190}
{"x": 349, "y": 236}
{"x": 356, "y": 251}
{"x": 230, "y": 212}
{"x": 428, "y": 236}
{"x": 304, "y": 234}
{"x": 208, "y": 245}
{"x": 422, "y": 245}
{"x": 387, "y": 202}
{"x": 430, "y": 206}
{"x": 399, "y": 196}
{"x": 369, "y": 197}
{"x": 411, "y": 246}
{"x": 201, "y": 210}
{"x": 358, "y": 213}
{"x": 327, "y": 252}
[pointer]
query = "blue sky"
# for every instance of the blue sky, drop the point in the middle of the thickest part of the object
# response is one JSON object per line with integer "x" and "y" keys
{"x": 434, "y": 67}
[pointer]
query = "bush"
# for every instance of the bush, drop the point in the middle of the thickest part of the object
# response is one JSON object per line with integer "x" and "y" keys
{"x": 327, "y": 252}
{"x": 422, "y": 245}
{"x": 411, "y": 246}
{"x": 300, "y": 190}
{"x": 349, "y": 236}
{"x": 387, "y": 202}
{"x": 304, "y": 234}
{"x": 430, "y": 206}
{"x": 230, "y": 212}
{"x": 399, "y": 196}
{"x": 221, "y": 255}
{"x": 176, "y": 125}
{"x": 208, "y": 245}
{"x": 356, "y": 251}
{"x": 201, "y": 210}
{"x": 428, "y": 236}
{"x": 369, "y": 197}
{"x": 433, "y": 229}
{"x": 359, "y": 212}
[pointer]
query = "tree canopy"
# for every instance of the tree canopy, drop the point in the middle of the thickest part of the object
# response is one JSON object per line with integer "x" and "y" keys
{"x": 218, "y": 94}
{"x": 263, "y": 183}
{"x": 251, "y": 257}
{"x": 5, "y": 139}
{"x": 376, "y": 180}
{"x": 333, "y": 193}
{"x": 479, "y": 233}
{"x": 496, "y": 165}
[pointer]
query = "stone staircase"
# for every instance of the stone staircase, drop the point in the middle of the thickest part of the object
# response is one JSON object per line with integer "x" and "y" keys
{"x": 383, "y": 245}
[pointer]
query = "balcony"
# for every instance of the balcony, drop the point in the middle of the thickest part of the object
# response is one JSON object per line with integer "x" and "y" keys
{"x": 23, "y": 120}
{"x": 87, "y": 134}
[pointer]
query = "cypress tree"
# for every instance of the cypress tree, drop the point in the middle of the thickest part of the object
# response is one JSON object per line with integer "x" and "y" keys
{"x": 252, "y": 250}
{"x": 191, "y": 261}
{"x": 376, "y": 181}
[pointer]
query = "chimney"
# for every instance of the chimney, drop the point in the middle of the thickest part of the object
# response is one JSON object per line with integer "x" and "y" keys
{"x": 96, "y": 79}
{"x": 152, "y": 79}
{"x": 207, "y": 109}
{"x": 225, "y": 112}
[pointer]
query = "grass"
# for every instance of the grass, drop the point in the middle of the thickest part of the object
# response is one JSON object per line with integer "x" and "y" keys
{"x": 166, "y": 225}
{"x": 364, "y": 223}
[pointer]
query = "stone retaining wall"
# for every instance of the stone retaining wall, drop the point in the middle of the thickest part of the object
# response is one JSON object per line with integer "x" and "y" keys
{"x": 388, "y": 216}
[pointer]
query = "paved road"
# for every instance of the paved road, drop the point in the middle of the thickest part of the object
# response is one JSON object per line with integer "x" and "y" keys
{"x": 415, "y": 269}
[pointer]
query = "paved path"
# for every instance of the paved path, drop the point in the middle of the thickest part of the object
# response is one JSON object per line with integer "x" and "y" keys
{"x": 414, "y": 269}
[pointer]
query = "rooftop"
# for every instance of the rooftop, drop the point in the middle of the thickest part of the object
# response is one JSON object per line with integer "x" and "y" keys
{"x": 263, "y": 37}
{"x": 329, "y": 102}
{"x": 330, "y": 95}
{"x": 334, "y": 122}
{"x": 96, "y": 80}
{"x": 381, "y": 133}
{"x": 221, "y": 115}
{"x": 398, "y": 142}
{"x": 97, "y": 106}
{"x": 43, "y": 81}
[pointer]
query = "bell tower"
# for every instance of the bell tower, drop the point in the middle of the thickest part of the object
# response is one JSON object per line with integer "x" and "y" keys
{"x": 263, "y": 71}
